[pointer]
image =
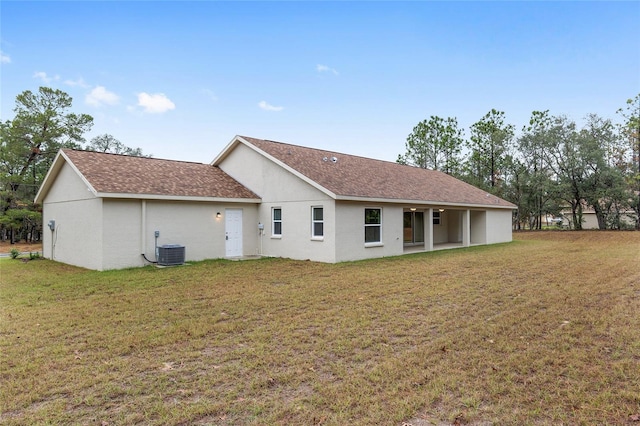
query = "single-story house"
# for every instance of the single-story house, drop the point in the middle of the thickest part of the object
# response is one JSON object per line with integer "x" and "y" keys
{"x": 590, "y": 219}
{"x": 257, "y": 197}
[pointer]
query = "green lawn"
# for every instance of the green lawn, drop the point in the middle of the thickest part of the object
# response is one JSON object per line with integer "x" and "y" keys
{"x": 544, "y": 330}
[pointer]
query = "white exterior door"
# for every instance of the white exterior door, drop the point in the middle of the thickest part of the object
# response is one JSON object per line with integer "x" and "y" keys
{"x": 233, "y": 232}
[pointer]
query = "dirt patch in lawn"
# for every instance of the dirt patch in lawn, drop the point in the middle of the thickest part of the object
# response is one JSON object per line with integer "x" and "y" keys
{"x": 6, "y": 247}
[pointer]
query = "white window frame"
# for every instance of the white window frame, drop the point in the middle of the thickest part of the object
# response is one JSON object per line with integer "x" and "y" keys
{"x": 274, "y": 221}
{"x": 314, "y": 221}
{"x": 367, "y": 225}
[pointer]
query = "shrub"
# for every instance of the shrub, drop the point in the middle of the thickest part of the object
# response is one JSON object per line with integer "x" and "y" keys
{"x": 14, "y": 253}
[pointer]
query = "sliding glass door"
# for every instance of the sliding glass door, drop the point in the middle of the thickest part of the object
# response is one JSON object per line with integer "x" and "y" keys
{"x": 413, "y": 228}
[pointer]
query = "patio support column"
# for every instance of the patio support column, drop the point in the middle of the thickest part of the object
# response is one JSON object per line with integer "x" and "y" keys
{"x": 428, "y": 230}
{"x": 466, "y": 228}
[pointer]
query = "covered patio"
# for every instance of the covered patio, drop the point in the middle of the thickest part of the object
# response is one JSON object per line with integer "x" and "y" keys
{"x": 441, "y": 228}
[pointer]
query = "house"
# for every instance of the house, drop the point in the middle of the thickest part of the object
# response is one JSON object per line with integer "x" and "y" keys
{"x": 627, "y": 218}
{"x": 258, "y": 197}
{"x": 104, "y": 209}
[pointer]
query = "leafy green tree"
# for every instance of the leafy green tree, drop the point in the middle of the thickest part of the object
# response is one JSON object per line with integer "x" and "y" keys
{"x": 540, "y": 197}
{"x": 516, "y": 190}
{"x": 434, "y": 144}
{"x": 107, "y": 143}
{"x": 562, "y": 155}
{"x": 604, "y": 186}
{"x": 22, "y": 224}
{"x": 489, "y": 145}
{"x": 630, "y": 132}
{"x": 41, "y": 126}
{"x": 581, "y": 168}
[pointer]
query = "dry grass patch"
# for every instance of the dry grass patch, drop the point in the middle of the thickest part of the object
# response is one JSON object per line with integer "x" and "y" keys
{"x": 544, "y": 330}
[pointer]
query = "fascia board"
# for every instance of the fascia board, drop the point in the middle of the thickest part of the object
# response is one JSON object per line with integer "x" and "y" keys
{"x": 226, "y": 151}
{"x": 177, "y": 198}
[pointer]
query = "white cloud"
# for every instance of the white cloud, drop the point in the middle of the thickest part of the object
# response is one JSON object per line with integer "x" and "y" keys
{"x": 77, "y": 83}
{"x": 156, "y": 103}
{"x": 4, "y": 58}
{"x": 44, "y": 77}
{"x": 100, "y": 96}
{"x": 267, "y": 107}
{"x": 210, "y": 94}
{"x": 323, "y": 68}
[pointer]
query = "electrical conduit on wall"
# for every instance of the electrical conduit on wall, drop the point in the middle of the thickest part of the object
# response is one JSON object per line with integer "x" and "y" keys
{"x": 143, "y": 227}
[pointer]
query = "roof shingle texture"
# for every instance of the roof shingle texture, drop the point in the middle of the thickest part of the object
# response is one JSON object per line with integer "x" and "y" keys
{"x": 353, "y": 176}
{"x": 122, "y": 174}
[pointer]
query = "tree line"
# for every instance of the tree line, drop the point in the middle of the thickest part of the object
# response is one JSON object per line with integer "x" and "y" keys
{"x": 551, "y": 169}
{"x": 43, "y": 123}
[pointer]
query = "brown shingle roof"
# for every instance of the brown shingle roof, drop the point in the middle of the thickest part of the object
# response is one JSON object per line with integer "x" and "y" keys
{"x": 122, "y": 174}
{"x": 353, "y": 176}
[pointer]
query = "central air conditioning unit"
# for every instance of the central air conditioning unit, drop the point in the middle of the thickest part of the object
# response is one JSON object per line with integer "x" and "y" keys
{"x": 170, "y": 255}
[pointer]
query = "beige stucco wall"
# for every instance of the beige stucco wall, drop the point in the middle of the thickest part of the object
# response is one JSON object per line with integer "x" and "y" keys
{"x": 77, "y": 238}
{"x": 193, "y": 225}
{"x": 454, "y": 225}
{"x": 121, "y": 234}
{"x": 449, "y": 230}
{"x": 350, "y": 231}
{"x": 440, "y": 231}
{"x": 296, "y": 241}
{"x": 499, "y": 226}
{"x": 279, "y": 188}
{"x": 267, "y": 179}
{"x": 478, "y": 224}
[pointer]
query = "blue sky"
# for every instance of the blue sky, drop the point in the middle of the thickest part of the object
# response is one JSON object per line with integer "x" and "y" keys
{"x": 180, "y": 79}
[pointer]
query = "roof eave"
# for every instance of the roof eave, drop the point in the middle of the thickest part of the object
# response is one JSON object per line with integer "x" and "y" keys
{"x": 422, "y": 202}
{"x": 177, "y": 198}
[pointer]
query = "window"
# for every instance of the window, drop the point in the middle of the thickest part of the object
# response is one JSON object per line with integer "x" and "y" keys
{"x": 276, "y": 222}
{"x": 372, "y": 226}
{"x": 317, "y": 222}
{"x": 436, "y": 218}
